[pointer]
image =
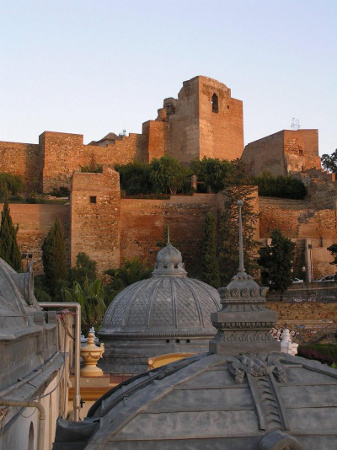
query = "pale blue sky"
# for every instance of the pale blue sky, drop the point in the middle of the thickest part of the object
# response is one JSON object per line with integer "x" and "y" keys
{"x": 91, "y": 67}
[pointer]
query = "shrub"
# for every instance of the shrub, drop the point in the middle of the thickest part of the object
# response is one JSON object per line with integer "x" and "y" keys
{"x": 325, "y": 353}
{"x": 280, "y": 186}
{"x": 61, "y": 191}
{"x": 12, "y": 184}
{"x": 135, "y": 178}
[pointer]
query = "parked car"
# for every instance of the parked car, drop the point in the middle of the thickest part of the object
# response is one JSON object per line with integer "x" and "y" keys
{"x": 326, "y": 279}
{"x": 297, "y": 280}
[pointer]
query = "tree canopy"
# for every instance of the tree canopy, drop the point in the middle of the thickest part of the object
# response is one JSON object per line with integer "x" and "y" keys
{"x": 329, "y": 162}
{"x": 276, "y": 262}
{"x": 9, "y": 249}
{"x": 131, "y": 272}
{"x": 168, "y": 175}
{"x": 90, "y": 295}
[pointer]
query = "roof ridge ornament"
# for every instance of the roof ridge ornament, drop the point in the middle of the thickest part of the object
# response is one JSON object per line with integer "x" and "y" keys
{"x": 169, "y": 261}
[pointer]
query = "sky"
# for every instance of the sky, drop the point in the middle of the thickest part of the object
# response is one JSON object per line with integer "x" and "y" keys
{"x": 95, "y": 66}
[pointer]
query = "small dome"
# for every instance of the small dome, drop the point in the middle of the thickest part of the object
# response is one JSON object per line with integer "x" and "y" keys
{"x": 167, "y": 313}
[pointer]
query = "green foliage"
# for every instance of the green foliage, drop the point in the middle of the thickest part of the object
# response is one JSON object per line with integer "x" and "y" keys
{"x": 280, "y": 186}
{"x": 85, "y": 269}
{"x": 132, "y": 271}
{"x": 92, "y": 167}
{"x": 90, "y": 296}
{"x": 333, "y": 250}
{"x": 228, "y": 235}
{"x": 10, "y": 184}
{"x": 209, "y": 263}
{"x": 135, "y": 178}
{"x": 169, "y": 176}
{"x": 218, "y": 175}
{"x": 62, "y": 191}
{"x": 329, "y": 162}
{"x": 9, "y": 249}
{"x": 276, "y": 262}
{"x": 325, "y": 353}
{"x": 54, "y": 257}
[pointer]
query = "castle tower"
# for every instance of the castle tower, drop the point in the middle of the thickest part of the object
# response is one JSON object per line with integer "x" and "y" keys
{"x": 204, "y": 121}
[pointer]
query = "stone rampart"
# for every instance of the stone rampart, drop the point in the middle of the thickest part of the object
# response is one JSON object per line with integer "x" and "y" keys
{"x": 95, "y": 217}
{"x": 24, "y": 160}
{"x": 143, "y": 224}
{"x": 34, "y": 223}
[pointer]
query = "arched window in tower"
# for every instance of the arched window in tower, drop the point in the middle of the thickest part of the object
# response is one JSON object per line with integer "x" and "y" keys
{"x": 215, "y": 104}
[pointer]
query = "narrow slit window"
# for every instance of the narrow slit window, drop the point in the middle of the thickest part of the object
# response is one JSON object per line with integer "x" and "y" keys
{"x": 215, "y": 103}
{"x": 93, "y": 199}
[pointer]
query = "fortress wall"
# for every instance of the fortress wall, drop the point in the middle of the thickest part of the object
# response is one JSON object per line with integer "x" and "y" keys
{"x": 35, "y": 222}
{"x": 156, "y": 139}
{"x": 95, "y": 210}
{"x": 143, "y": 225}
{"x": 65, "y": 154}
{"x": 221, "y": 133}
{"x": 266, "y": 154}
{"x": 184, "y": 123}
{"x": 301, "y": 150}
{"x": 296, "y": 219}
{"x": 24, "y": 160}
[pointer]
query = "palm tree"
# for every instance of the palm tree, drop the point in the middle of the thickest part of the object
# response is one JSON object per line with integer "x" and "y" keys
{"x": 91, "y": 298}
{"x": 132, "y": 271}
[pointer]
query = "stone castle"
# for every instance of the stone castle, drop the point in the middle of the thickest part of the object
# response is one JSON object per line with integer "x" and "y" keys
{"x": 205, "y": 120}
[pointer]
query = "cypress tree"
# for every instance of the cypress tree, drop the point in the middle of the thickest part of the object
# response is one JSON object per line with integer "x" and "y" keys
{"x": 209, "y": 263}
{"x": 54, "y": 257}
{"x": 9, "y": 249}
{"x": 276, "y": 262}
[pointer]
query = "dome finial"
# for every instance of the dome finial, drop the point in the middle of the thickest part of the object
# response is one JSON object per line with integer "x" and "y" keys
{"x": 241, "y": 264}
{"x": 168, "y": 235}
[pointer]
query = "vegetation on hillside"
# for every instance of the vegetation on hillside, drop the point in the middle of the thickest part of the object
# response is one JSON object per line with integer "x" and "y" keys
{"x": 280, "y": 186}
{"x": 325, "y": 353}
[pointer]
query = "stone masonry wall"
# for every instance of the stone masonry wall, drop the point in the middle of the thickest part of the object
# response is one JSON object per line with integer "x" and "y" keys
{"x": 24, "y": 160}
{"x": 283, "y": 152}
{"x": 298, "y": 220}
{"x": 34, "y": 223}
{"x": 143, "y": 225}
{"x": 65, "y": 154}
{"x": 220, "y": 133}
{"x": 95, "y": 216}
{"x": 266, "y": 154}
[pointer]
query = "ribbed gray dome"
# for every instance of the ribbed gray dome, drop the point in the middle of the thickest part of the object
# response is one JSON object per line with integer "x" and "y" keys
{"x": 169, "y": 313}
{"x": 163, "y": 306}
